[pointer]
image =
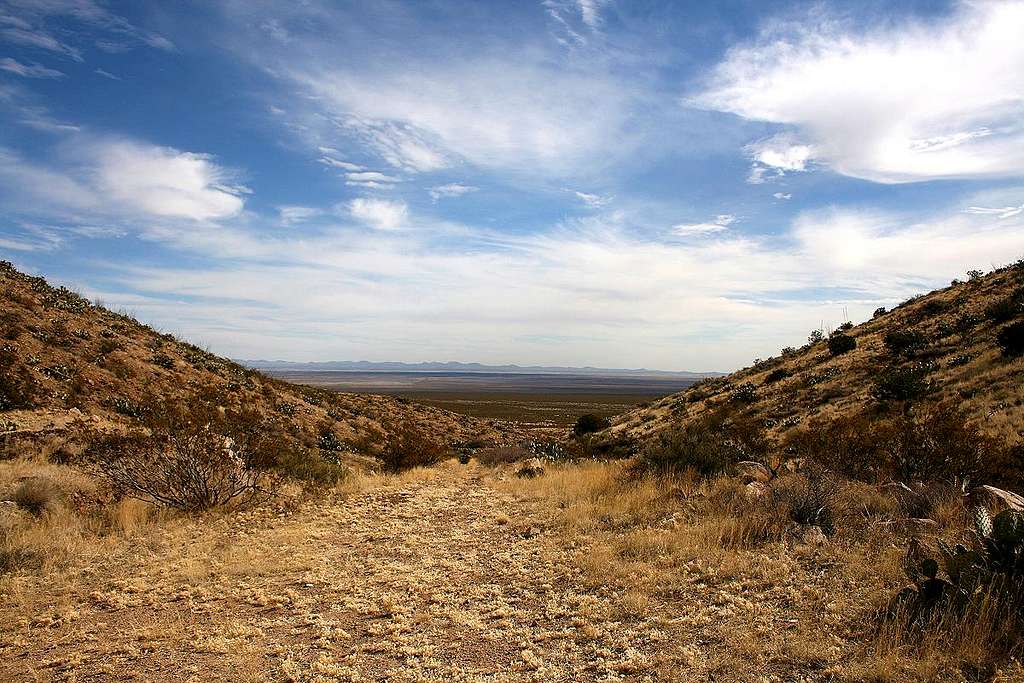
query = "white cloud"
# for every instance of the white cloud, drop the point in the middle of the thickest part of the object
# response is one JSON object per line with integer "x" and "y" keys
{"x": 123, "y": 178}
{"x": 594, "y": 201}
{"x": 624, "y": 300}
{"x": 290, "y": 215}
{"x": 371, "y": 179}
{"x": 719, "y": 224}
{"x": 328, "y": 160}
{"x": 163, "y": 181}
{"x": 379, "y": 213}
{"x": 892, "y": 104}
{"x": 450, "y": 190}
{"x": 107, "y": 74}
{"x": 427, "y": 117}
{"x": 1001, "y": 213}
{"x": 28, "y": 70}
{"x": 399, "y": 145}
{"x": 39, "y": 39}
{"x": 783, "y": 195}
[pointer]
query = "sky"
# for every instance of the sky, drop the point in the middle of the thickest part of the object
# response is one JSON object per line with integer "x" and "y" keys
{"x": 613, "y": 183}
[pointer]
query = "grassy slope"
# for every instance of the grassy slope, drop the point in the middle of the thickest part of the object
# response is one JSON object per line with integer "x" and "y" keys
{"x": 971, "y": 372}
{"x": 86, "y": 364}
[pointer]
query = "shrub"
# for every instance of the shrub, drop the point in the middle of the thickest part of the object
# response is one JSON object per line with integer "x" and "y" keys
{"x": 965, "y": 322}
{"x": 744, "y": 393}
{"x": 38, "y": 495}
{"x": 840, "y": 343}
{"x": 807, "y": 499}
{"x": 935, "y": 307}
{"x": 707, "y": 447}
{"x": 937, "y": 445}
{"x": 17, "y": 387}
{"x": 590, "y": 423}
{"x": 1011, "y": 339}
{"x": 1003, "y": 310}
{"x": 191, "y": 457}
{"x": 788, "y": 351}
{"x": 903, "y": 341}
{"x": 408, "y": 447}
{"x": 162, "y": 360}
{"x": 846, "y": 327}
{"x": 328, "y": 440}
{"x": 815, "y": 336}
{"x": 879, "y": 312}
{"x": 906, "y": 383}
{"x": 973, "y": 275}
{"x": 776, "y": 375}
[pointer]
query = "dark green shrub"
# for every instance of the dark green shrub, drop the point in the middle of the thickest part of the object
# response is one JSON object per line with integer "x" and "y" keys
{"x": 17, "y": 386}
{"x": 903, "y": 341}
{"x": 162, "y": 360}
{"x": 935, "y": 307}
{"x": 936, "y": 445}
{"x": 973, "y": 275}
{"x": 965, "y": 322}
{"x": 904, "y": 383}
{"x": 815, "y": 336}
{"x": 708, "y": 447}
{"x": 879, "y": 312}
{"x": 840, "y": 343}
{"x": 777, "y": 375}
{"x": 1003, "y": 310}
{"x": 590, "y": 423}
{"x": 1010, "y": 339}
{"x": 744, "y": 393}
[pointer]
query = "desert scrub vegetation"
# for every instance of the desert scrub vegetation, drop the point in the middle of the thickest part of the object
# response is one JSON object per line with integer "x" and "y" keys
{"x": 590, "y": 423}
{"x": 840, "y": 343}
{"x": 190, "y": 458}
{"x": 408, "y": 447}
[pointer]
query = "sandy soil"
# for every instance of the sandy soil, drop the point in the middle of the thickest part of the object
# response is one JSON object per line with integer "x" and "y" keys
{"x": 434, "y": 576}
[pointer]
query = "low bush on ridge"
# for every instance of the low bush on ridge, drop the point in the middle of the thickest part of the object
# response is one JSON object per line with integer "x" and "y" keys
{"x": 408, "y": 447}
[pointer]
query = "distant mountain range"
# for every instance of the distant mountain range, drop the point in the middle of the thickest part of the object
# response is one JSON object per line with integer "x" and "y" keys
{"x": 371, "y": 366}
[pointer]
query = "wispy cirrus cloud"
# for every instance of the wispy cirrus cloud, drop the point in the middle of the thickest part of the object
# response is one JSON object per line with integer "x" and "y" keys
{"x": 28, "y": 70}
{"x": 902, "y": 102}
{"x": 451, "y": 190}
{"x": 720, "y": 223}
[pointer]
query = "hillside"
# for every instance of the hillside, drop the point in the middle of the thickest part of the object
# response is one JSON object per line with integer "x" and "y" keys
{"x": 67, "y": 365}
{"x": 936, "y": 349}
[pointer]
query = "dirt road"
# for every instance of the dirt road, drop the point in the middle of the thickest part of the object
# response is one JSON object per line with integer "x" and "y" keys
{"x": 432, "y": 577}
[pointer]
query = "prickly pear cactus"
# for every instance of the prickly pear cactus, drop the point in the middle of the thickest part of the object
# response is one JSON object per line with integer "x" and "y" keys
{"x": 1008, "y": 528}
{"x": 982, "y": 522}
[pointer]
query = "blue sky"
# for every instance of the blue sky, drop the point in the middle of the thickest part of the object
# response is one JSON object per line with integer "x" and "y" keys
{"x": 673, "y": 185}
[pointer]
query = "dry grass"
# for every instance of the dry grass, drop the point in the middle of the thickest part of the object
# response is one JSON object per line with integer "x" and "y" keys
{"x": 663, "y": 544}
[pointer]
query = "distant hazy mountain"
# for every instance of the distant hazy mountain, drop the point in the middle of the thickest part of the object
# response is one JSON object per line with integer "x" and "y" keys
{"x": 370, "y": 366}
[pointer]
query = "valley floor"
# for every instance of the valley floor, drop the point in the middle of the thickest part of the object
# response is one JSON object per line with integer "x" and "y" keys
{"x": 431, "y": 576}
{"x": 455, "y": 573}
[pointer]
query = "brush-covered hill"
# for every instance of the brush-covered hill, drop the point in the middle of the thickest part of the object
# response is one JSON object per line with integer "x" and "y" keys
{"x": 68, "y": 366}
{"x": 945, "y": 347}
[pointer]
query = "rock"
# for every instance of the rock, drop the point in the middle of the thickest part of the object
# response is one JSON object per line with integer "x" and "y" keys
{"x": 75, "y": 412}
{"x": 987, "y": 495}
{"x": 755, "y": 489}
{"x": 753, "y": 471}
{"x": 530, "y": 468}
{"x": 813, "y": 535}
